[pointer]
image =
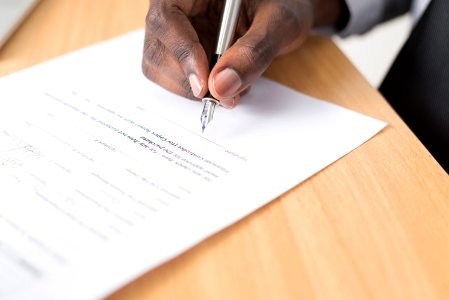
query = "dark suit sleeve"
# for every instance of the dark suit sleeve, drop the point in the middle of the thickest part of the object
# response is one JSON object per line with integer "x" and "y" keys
{"x": 365, "y": 14}
{"x": 394, "y": 8}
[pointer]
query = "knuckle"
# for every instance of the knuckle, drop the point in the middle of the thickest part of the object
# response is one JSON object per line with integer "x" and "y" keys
{"x": 155, "y": 20}
{"x": 184, "y": 51}
{"x": 174, "y": 10}
{"x": 260, "y": 54}
{"x": 291, "y": 17}
{"x": 154, "y": 52}
{"x": 287, "y": 12}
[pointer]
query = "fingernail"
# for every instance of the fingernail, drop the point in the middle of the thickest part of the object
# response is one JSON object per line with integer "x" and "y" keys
{"x": 228, "y": 103}
{"x": 227, "y": 83}
{"x": 196, "y": 85}
{"x": 231, "y": 102}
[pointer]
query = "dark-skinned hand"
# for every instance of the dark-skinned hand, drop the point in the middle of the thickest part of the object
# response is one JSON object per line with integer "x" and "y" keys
{"x": 181, "y": 35}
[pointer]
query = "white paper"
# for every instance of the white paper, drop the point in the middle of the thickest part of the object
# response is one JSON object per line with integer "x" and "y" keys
{"x": 105, "y": 175}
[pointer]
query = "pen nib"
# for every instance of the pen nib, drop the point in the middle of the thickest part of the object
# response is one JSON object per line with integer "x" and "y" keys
{"x": 208, "y": 112}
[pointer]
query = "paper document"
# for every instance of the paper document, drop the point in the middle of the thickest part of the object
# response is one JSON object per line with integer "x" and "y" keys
{"x": 104, "y": 175}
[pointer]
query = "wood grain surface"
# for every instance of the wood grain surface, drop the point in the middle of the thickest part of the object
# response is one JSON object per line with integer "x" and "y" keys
{"x": 373, "y": 225}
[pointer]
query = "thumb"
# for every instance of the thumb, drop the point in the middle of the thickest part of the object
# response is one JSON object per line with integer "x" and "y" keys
{"x": 274, "y": 29}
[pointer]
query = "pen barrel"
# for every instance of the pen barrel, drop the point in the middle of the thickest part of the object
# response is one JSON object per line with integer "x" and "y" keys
{"x": 228, "y": 23}
{"x": 227, "y": 28}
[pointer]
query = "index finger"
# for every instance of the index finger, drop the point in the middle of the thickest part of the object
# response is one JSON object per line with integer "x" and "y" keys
{"x": 167, "y": 23}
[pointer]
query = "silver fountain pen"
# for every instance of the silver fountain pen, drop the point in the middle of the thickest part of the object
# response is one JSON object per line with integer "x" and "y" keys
{"x": 227, "y": 28}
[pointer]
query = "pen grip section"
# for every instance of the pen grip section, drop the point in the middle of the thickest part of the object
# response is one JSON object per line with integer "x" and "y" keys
{"x": 213, "y": 61}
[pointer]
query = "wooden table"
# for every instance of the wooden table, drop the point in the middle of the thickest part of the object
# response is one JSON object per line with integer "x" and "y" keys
{"x": 373, "y": 225}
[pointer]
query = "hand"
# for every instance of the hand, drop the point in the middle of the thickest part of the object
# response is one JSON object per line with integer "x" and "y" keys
{"x": 181, "y": 36}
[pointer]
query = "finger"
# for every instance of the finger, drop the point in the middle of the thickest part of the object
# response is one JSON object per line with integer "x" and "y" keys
{"x": 274, "y": 29}
{"x": 170, "y": 23}
{"x": 161, "y": 67}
